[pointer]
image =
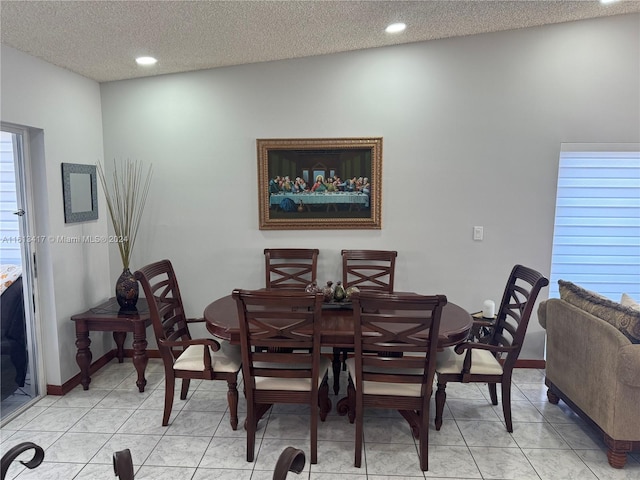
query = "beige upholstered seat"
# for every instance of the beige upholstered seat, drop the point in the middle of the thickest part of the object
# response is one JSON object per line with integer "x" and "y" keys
{"x": 226, "y": 359}
{"x": 492, "y": 360}
{"x": 482, "y": 363}
{"x": 388, "y": 388}
{"x": 185, "y": 357}
{"x": 292, "y": 384}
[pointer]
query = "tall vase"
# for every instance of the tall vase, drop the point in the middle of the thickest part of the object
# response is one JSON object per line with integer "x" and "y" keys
{"x": 127, "y": 290}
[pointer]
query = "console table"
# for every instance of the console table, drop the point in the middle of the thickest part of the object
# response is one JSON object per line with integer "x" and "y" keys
{"x": 108, "y": 317}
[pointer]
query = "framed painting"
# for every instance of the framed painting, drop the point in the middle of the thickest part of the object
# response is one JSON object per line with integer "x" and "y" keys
{"x": 320, "y": 183}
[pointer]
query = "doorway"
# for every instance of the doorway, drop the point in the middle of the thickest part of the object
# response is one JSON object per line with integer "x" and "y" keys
{"x": 19, "y": 377}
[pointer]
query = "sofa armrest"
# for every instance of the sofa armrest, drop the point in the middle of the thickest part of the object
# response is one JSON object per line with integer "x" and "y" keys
{"x": 542, "y": 314}
{"x": 629, "y": 365}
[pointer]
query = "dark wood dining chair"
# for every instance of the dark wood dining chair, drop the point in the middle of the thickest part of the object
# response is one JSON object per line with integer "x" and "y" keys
{"x": 396, "y": 341}
{"x": 368, "y": 270}
{"x": 281, "y": 361}
{"x": 183, "y": 356}
{"x": 17, "y": 451}
{"x": 492, "y": 360}
{"x": 290, "y": 460}
{"x": 123, "y": 464}
{"x": 290, "y": 268}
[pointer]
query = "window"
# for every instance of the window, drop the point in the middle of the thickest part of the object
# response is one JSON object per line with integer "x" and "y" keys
{"x": 596, "y": 241}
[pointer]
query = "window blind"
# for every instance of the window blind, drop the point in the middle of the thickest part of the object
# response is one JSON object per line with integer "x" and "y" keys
{"x": 9, "y": 224}
{"x": 596, "y": 241}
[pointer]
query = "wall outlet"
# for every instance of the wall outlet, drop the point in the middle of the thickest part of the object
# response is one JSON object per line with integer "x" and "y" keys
{"x": 478, "y": 233}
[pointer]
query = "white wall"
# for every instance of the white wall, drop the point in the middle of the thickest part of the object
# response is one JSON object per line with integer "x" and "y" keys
{"x": 472, "y": 130}
{"x": 63, "y": 113}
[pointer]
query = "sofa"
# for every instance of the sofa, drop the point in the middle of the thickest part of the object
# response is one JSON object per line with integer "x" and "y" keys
{"x": 593, "y": 363}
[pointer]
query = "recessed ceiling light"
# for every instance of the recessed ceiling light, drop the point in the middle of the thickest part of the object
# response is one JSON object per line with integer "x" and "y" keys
{"x": 146, "y": 61}
{"x": 395, "y": 28}
{"x": 604, "y": 2}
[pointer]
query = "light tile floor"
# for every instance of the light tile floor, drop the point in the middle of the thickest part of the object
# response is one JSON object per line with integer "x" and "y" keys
{"x": 81, "y": 430}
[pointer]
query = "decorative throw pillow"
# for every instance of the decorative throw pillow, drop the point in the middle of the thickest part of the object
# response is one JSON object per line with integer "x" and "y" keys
{"x": 627, "y": 301}
{"x": 624, "y": 318}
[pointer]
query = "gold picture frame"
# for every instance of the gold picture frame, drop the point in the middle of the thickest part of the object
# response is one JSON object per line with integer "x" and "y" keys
{"x": 320, "y": 183}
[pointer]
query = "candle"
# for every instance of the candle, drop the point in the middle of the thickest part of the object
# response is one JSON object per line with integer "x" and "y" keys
{"x": 488, "y": 309}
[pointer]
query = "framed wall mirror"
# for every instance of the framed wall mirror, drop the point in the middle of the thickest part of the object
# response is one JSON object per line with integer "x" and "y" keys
{"x": 320, "y": 183}
{"x": 80, "y": 192}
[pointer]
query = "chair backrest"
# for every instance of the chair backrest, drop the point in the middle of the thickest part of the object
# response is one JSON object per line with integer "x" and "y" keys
{"x": 394, "y": 336}
{"x": 279, "y": 335}
{"x": 515, "y": 309}
{"x": 369, "y": 269}
{"x": 290, "y": 268}
{"x": 161, "y": 291}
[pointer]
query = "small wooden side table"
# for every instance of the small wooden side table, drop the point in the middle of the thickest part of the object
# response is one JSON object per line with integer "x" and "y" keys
{"x": 107, "y": 317}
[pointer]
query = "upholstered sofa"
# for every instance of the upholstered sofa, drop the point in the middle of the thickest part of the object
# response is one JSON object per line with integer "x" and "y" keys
{"x": 593, "y": 364}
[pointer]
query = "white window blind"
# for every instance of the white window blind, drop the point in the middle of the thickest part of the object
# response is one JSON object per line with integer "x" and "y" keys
{"x": 9, "y": 222}
{"x": 596, "y": 241}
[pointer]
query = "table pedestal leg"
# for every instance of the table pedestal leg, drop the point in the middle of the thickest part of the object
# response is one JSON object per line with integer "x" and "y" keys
{"x": 83, "y": 356}
{"x": 336, "y": 370}
{"x": 119, "y": 338}
{"x": 140, "y": 358}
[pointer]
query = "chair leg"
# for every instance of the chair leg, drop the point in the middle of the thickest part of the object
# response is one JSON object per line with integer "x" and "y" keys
{"x": 424, "y": 440}
{"x": 169, "y": 386}
{"x": 314, "y": 432}
{"x": 351, "y": 401}
{"x": 232, "y": 400}
{"x": 506, "y": 404}
{"x": 493, "y": 394}
{"x": 250, "y": 425}
{"x": 185, "y": 388}
{"x": 359, "y": 418}
{"x": 441, "y": 398}
{"x": 336, "y": 370}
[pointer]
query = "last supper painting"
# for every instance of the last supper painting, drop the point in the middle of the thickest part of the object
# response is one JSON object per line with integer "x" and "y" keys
{"x": 320, "y": 183}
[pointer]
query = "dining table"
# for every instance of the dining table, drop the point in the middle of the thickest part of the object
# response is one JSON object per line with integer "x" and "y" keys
{"x": 221, "y": 317}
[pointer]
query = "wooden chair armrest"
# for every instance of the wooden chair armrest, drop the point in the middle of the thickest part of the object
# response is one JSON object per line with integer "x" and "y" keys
{"x": 483, "y": 323}
{"x": 481, "y": 346}
{"x": 215, "y": 346}
{"x": 290, "y": 460}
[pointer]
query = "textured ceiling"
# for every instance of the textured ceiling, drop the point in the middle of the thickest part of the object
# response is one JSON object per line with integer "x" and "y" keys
{"x": 100, "y": 39}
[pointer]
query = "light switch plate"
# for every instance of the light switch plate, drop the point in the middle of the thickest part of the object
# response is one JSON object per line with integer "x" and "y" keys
{"x": 478, "y": 233}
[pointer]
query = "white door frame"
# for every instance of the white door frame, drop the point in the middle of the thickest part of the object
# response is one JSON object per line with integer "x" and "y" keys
{"x": 24, "y": 190}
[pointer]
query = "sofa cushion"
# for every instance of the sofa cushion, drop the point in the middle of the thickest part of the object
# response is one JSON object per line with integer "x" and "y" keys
{"x": 624, "y": 318}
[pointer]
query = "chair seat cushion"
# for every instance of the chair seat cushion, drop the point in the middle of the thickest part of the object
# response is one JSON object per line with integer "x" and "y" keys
{"x": 482, "y": 362}
{"x": 387, "y": 388}
{"x": 294, "y": 384}
{"x": 227, "y": 359}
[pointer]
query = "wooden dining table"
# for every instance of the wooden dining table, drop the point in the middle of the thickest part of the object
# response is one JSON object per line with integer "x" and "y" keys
{"x": 221, "y": 317}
